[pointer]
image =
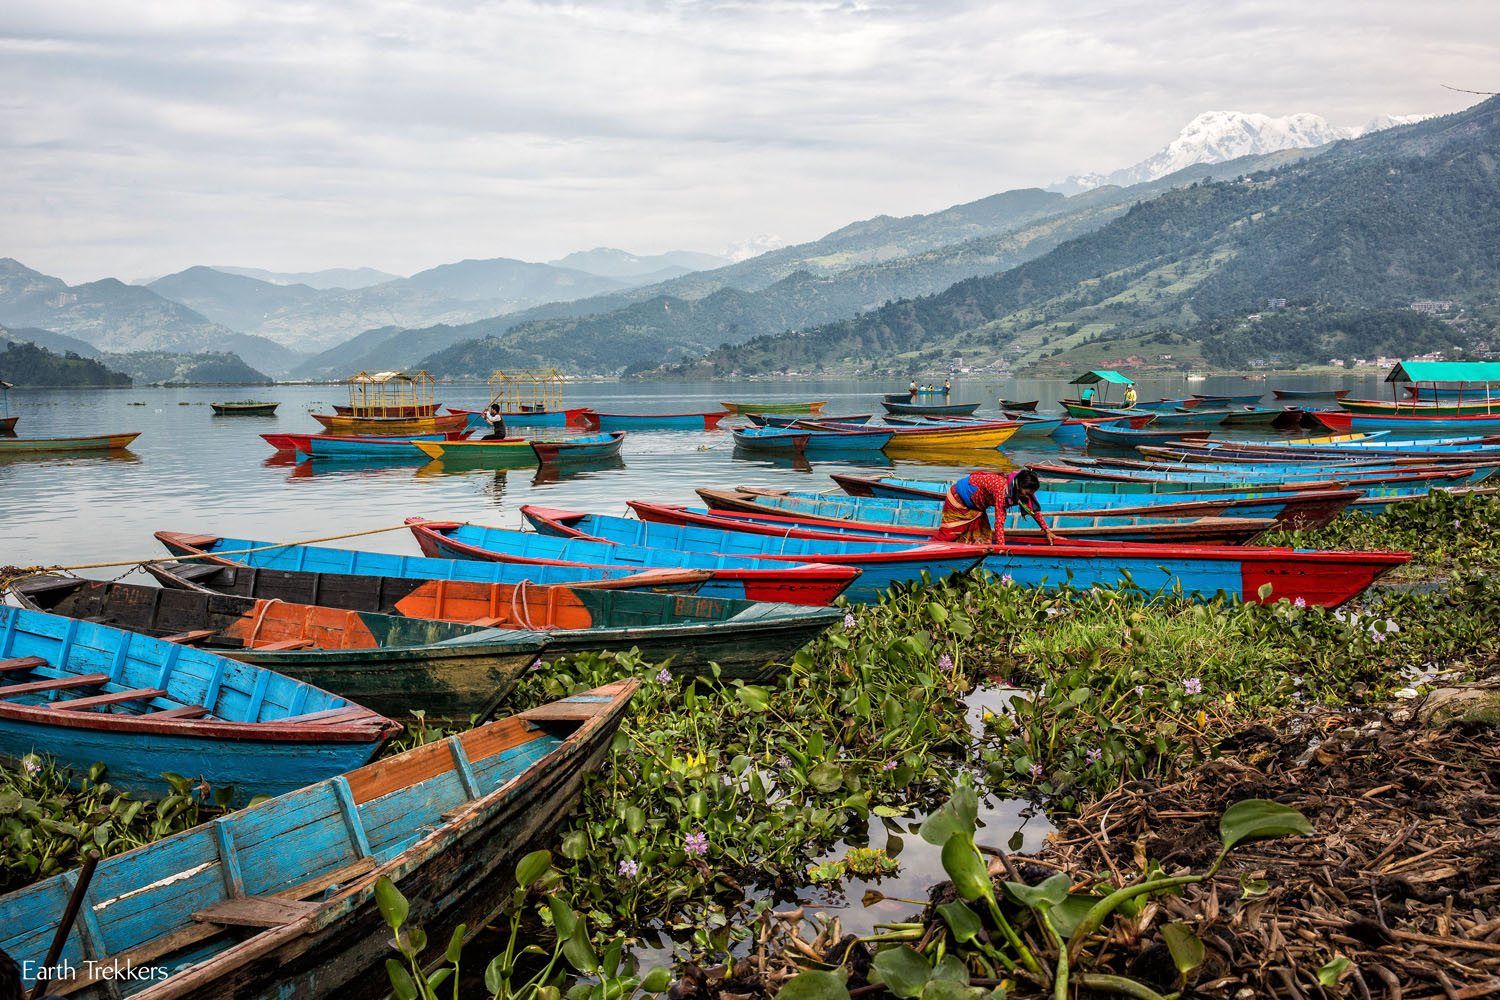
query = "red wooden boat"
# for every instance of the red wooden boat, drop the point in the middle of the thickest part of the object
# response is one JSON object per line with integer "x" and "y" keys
{"x": 8, "y": 425}
{"x": 730, "y": 576}
{"x": 571, "y": 416}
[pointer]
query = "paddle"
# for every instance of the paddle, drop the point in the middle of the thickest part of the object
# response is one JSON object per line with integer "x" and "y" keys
{"x": 70, "y": 914}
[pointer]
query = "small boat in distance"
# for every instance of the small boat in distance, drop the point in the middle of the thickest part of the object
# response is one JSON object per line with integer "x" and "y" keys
{"x": 580, "y": 449}
{"x": 1024, "y": 406}
{"x": 244, "y": 408}
{"x": 91, "y": 443}
{"x": 1310, "y": 393}
{"x": 930, "y": 409}
{"x": 774, "y": 406}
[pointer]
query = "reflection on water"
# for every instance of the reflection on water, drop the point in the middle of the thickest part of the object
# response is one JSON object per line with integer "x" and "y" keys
{"x": 190, "y": 470}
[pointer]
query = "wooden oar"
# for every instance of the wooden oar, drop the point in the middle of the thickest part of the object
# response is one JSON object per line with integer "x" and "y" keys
{"x": 70, "y": 914}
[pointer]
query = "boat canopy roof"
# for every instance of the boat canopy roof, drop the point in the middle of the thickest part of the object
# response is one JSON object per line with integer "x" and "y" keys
{"x": 1091, "y": 378}
{"x": 1445, "y": 371}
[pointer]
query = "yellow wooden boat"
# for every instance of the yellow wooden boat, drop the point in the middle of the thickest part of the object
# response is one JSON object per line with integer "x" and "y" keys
{"x": 919, "y": 441}
{"x": 340, "y": 423}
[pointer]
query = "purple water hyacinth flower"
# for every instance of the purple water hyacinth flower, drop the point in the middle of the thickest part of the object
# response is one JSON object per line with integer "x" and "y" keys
{"x": 665, "y": 677}
{"x": 889, "y": 765}
{"x": 696, "y": 843}
{"x": 1007, "y": 580}
{"x": 1300, "y": 602}
{"x": 1140, "y": 690}
{"x": 1192, "y": 686}
{"x": 849, "y": 620}
{"x": 1094, "y": 754}
{"x": 31, "y": 766}
{"x": 945, "y": 662}
{"x": 629, "y": 868}
{"x": 1036, "y": 770}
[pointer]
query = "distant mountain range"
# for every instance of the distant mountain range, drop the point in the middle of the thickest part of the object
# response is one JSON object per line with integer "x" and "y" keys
{"x": 1369, "y": 224}
{"x": 333, "y": 277}
{"x": 1221, "y": 136}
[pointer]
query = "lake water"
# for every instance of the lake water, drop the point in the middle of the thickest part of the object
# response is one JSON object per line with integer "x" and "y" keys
{"x": 193, "y": 471}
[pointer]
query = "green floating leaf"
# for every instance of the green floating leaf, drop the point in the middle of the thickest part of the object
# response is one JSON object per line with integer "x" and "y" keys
{"x": 826, "y": 777}
{"x": 962, "y": 922}
{"x": 579, "y": 952}
{"x": 950, "y": 968}
{"x": 657, "y": 980}
{"x": 392, "y": 905}
{"x": 756, "y": 699}
{"x": 532, "y": 867}
{"x": 960, "y": 814}
{"x": 815, "y": 985}
{"x": 1252, "y": 818}
{"x": 948, "y": 989}
{"x": 1187, "y": 950}
{"x": 401, "y": 982}
{"x": 1044, "y": 895}
{"x": 903, "y": 970}
{"x": 970, "y": 875}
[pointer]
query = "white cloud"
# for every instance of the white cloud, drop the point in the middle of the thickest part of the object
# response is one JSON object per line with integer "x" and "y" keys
{"x": 298, "y": 135}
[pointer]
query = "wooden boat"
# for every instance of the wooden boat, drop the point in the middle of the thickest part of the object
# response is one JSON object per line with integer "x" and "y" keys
{"x": 1093, "y": 469}
{"x": 1310, "y": 393}
{"x": 1254, "y": 416}
{"x": 244, "y": 408}
{"x": 576, "y": 416}
{"x": 881, "y": 564}
{"x": 1181, "y": 417}
{"x": 1022, "y": 406}
{"x": 774, "y": 406}
{"x": 299, "y": 442}
{"x": 746, "y": 639}
{"x": 389, "y": 426}
{"x": 1029, "y": 425}
{"x": 930, "y": 409}
{"x": 387, "y": 663}
{"x": 1130, "y": 438}
{"x": 1289, "y": 508}
{"x": 505, "y": 453}
{"x": 414, "y": 410}
{"x": 1472, "y": 392}
{"x": 790, "y": 420}
{"x": 874, "y": 516}
{"x": 845, "y": 440}
{"x": 1489, "y": 406}
{"x": 81, "y": 692}
{"x": 580, "y": 449}
{"x": 1206, "y": 399}
{"x": 91, "y": 443}
{"x": 215, "y": 550}
{"x": 920, "y": 441}
{"x": 8, "y": 425}
{"x": 1165, "y": 404}
{"x": 279, "y": 900}
{"x": 1406, "y": 422}
{"x": 652, "y": 421}
{"x": 336, "y": 448}
{"x": 1199, "y": 572}
{"x": 1073, "y": 431}
{"x": 738, "y": 577}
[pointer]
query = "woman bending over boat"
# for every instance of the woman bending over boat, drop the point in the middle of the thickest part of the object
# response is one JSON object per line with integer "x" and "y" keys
{"x": 966, "y": 506}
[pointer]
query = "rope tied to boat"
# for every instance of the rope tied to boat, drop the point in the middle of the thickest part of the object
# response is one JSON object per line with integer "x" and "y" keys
{"x": 11, "y": 575}
{"x": 260, "y": 619}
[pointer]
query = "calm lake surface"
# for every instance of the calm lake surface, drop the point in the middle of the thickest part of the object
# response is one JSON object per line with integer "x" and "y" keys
{"x": 193, "y": 471}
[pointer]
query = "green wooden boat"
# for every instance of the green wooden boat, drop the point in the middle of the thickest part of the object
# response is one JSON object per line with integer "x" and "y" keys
{"x": 44, "y": 446}
{"x": 245, "y": 408}
{"x": 747, "y": 639}
{"x": 388, "y": 663}
{"x": 774, "y": 406}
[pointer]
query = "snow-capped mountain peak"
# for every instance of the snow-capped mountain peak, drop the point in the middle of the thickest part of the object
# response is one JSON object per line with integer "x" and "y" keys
{"x": 1218, "y": 136}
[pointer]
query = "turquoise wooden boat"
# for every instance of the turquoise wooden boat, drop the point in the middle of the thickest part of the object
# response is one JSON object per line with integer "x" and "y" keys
{"x": 1408, "y": 424}
{"x": 1167, "y": 419}
{"x": 1032, "y": 425}
{"x": 1074, "y": 430}
{"x": 812, "y": 442}
{"x": 271, "y": 556}
{"x": 589, "y": 448}
{"x": 1130, "y": 437}
{"x": 653, "y": 421}
{"x": 881, "y": 564}
{"x": 320, "y": 447}
{"x": 1198, "y": 572}
{"x": 870, "y": 513}
{"x": 792, "y": 419}
{"x": 81, "y": 692}
{"x": 930, "y": 409}
{"x": 1247, "y": 399}
{"x": 1129, "y": 469}
{"x": 728, "y": 576}
{"x": 280, "y": 900}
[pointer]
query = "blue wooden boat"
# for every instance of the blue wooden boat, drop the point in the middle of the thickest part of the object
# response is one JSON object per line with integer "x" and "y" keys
{"x": 869, "y": 513}
{"x": 320, "y": 447}
{"x": 882, "y": 564}
{"x": 280, "y": 900}
{"x": 812, "y": 442}
{"x": 1033, "y": 426}
{"x": 729, "y": 576}
{"x": 595, "y": 420}
{"x": 1129, "y": 437}
{"x": 1199, "y": 572}
{"x": 271, "y": 556}
{"x": 792, "y": 419}
{"x": 590, "y": 448}
{"x": 1194, "y": 417}
{"x": 1479, "y": 423}
{"x": 1163, "y": 404}
{"x": 1248, "y": 399}
{"x": 1144, "y": 472}
{"x": 81, "y": 692}
{"x": 1073, "y": 431}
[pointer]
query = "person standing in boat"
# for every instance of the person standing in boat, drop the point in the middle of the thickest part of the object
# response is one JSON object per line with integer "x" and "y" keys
{"x": 496, "y": 420}
{"x": 966, "y": 505}
{"x": 912, "y": 389}
{"x": 1130, "y": 396}
{"x": 947, "y": 386}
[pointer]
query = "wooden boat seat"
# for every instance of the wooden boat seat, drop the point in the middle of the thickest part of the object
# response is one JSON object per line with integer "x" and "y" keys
{"x": 284, "y": 645}
{"x": 55, "y": 684}
{"x": 183, "y": 712}
{"x": 255, "y": 911}
{"x": 327, "y": 717}
{"x": 21, "y": 664}
{"x": 113, "y": 698}
{"x": 188, "y": 638}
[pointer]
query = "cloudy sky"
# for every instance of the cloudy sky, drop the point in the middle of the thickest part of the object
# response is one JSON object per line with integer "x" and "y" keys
{"x": 139, "y": 138}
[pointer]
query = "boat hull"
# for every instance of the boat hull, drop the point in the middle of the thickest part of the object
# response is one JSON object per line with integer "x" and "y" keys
{"x": 772, "y": 406}
{"x": 590, "y": 449}
{"x": 244, "y": 409}
{"x": 652, "y": 421}
{"x": 64, "y": 445}
{"x": 930, "y": 410}
{"x": 1310, "y": 393}
{"x": 1347, "y": 421}
{"x": 385, "y": 426}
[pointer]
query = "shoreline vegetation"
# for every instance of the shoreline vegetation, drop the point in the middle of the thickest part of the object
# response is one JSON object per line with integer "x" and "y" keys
{"x": 1146, "y": 730}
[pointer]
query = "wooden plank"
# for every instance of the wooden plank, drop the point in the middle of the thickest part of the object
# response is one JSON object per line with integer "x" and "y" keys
{"x": 283, "y": 646}
{"x": 411, "y": 768}
{"x": 185, "y": 712}
{"x": 497, "y": 737}
{"x": 229, "y": 860}
{"x": 21, "y": 664}
{"x": 255, "y": 911}
{"x": 352, "y": 821}
{"x": 329, "y": 716}
{"x": 187, "y": 638}
{"x": 114, "y": 697}
{"x": 56, "y": 684}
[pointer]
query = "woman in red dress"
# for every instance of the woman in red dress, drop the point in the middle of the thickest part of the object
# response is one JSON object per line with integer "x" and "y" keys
{"x": 965, "y": 507}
